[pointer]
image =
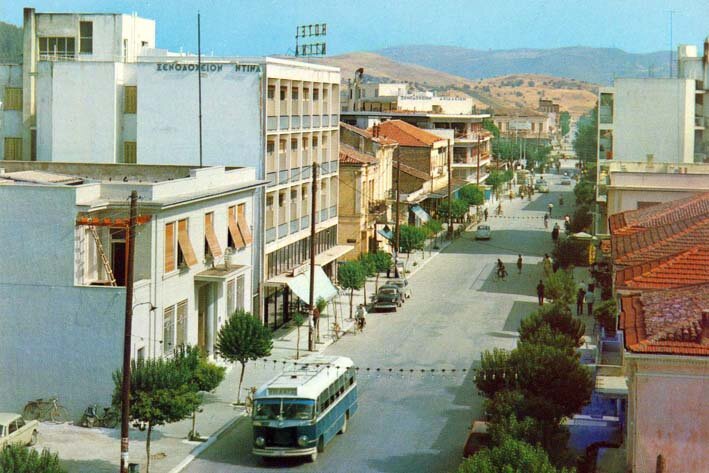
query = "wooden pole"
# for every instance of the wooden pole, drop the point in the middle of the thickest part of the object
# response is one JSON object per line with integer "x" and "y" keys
{"x": 313, "y": 217}
{"x": 396, "y": 228}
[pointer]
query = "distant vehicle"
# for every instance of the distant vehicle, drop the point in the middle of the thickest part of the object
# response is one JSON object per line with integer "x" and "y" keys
{"x": 539, "y": 182}
{"x": 15, "y": 430}
{"x": 299, "y": 411}
{"x": 402, "y": 284}
{"x": 478, "y": 438}
{"x": 483, "y": 232}
{"x": 387, "y": 298}
{"x": 566, "y": 181}
{"x": 543, "y": 188}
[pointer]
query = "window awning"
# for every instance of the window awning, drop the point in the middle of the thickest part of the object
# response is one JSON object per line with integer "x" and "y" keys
{"x": 244, "y": 225}
{"x": 389, "y": 235}
{"x": 183, "y": 240}
{"x": 234, "y": 229}
{"x": 211, "y": 236}
{"x": 420, "y": 213}
{"x": 300, "y": 285}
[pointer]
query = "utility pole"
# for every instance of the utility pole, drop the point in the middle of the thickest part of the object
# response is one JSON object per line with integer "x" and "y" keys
{"x": 313, "y": 209}
{"x": 478, "y": 168}
{"x": 199, "y": 84}
{"x": 396, "y": 223}
{"x": 125, "y": 385}
{"x": 450, "y": 183}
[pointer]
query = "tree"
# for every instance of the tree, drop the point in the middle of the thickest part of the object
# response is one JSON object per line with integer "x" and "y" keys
{"x": 511, "y": 456}
{"x": 411, "y": 238}
{"x": 19, "y": 459}
{"x": 558, "y": 318}
{"x": 472, "y": 195}
{"x": 458, "y": 208}
{"x": 570, "y": 252}
{"x": 496, "y": 372}
{"x": 298, "y": 319}
{"x": 581, "y": 219}
{"x": 584, "y": 193}
{"x": 560, "y": 286}
{"x": 243, "y": 338}
{"x": 605, "y": 313}
{"x": 351, "y": 275}
{"x": 586, "y": 139}
{"x": 370, "y": 269}
{"x": 565, "y": 122}
{"x": 382, "y": 262}
{"x": 161, "y": 392}
{"x": 433, "y": 227}
{"x": 496, "y": 179}
{"x": 490, "y": 126}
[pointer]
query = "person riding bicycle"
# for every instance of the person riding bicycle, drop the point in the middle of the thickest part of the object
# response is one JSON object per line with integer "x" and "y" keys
{"x": 360, "y": 317}
{"x": 501, "y": 271}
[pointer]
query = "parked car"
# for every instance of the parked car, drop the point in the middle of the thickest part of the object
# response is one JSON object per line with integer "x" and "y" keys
{"x": 539, "y": 182}
{"x": 402, "y": 284}
{"x": 402, "y": 296}
{"x": 566, "y": 181}
{"x": 14, "y": 429}
{"x": 387, "y": 298}
{"x": 483, "y": 232}
{"x": 478, "y": 438}
{"x": 543, "y": 188}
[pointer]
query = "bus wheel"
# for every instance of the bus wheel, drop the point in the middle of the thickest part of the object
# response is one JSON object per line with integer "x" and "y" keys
{"x": 344, "y": 425}
{"x": 321, "y": 444}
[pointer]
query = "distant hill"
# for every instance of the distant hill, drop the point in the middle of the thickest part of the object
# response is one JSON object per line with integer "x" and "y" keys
{"x": 507, "y": 93}
{"x": 10, "y": 43}
{"x": 595, "y": 65}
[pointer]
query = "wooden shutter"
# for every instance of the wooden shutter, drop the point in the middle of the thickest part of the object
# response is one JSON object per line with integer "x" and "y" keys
{"x": 169, "y": 247}
{"x": 244, "y": 225}
{"x": 183, "y": 239}
{"x": 129, "y": 152}
{"x": 131, "y": 99}
{"x": 211, "y": 236}
{"x": 234, "y": 229}
{"x": 13, "y": 98}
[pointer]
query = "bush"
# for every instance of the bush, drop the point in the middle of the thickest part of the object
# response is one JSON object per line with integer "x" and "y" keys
{"x": 560, "y": 286}
{"x": 581, "y": 220}
{"x": 18, "y": 459}
{"x": 584, "y": 193}
{"x": 495, "y": 373}
{"x": 605, "y": 314}
{"x": 558, "y": 318}
{"x": 571, "y": 253}
{"x": 510, "y": 456}
{"x": 472, "y": 195}
{"x": 458, "y": 209}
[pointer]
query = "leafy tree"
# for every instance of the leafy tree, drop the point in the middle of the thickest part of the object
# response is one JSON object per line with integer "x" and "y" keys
{"x": 243, "y": 338}
{"x": 411, "y": 238}
{"x": 570, "y": 252}
{"x": 560, "y": 286}
{"x": 298, "y": 319}
{"x": 584, "y": 193}
{"x": 161, "y": 392}
{"x": 432, "y": 227}
{"x": 19, "y": 459}
{"x": 370, "y": 269}
{"x": 558, "y": 318}
{"x": 10, "y": 43}
{"x": 581, "y": 219}
{"x": 458, "y": 208}
{"x": 511, "y": 456}
{"x": 542, "y": 334}
{"x": 586, "y": 139}
{"x": 496, "y": 372}
{"x": 351, "y": 275}
{"x": 490, "y": 126}
{"x": 472, "y": 195}
{"x": 382, "y": 262}
{"x": 497, "y": 178}
{"x": 605, "y": 313}
{"x": 565, "y": 122}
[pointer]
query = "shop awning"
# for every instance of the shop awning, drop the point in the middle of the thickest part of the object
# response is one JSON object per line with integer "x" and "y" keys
{"x": 300, "y": 285}
{"x": 389, "y": 235}
{"x": 420, "y": 213}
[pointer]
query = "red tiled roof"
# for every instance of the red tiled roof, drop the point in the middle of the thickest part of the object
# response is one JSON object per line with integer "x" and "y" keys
{"x": 633, "y": 221}
{"x": 686, "y": 268}
{"x": 406, "y": 134}
{"x": 666, "y": 322}
{"x": 367, "y": 134}
{"x": 349, "y": 155}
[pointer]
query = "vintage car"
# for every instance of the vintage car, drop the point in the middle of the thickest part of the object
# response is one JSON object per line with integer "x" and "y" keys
{"x": 387, "y": 298}
{"x": 402, "y": 284}
{"x": 478, "y": 438}
{"x": 14, "y": 429}
{"x": 483, "y": 232}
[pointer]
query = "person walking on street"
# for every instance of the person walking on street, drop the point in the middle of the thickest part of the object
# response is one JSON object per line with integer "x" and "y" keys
{"x": 550, "y": 207}
{"x": 540, "y": 292}
{"x": 546, "y": 220}
{"x": 519, "y": 264}
{"x": 547, "y": 265}
{"x": 485, "y": 214}
{"x": 589, "y": 298}
{"x": 555, "y": 233}
{"x": 580, "y": 296}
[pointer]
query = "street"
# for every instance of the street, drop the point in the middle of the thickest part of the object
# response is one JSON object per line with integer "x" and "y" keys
{"x": 418, "y": 422}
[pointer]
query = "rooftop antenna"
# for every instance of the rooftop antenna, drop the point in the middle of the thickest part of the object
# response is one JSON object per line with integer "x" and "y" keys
{"x": 199, "y": 83}
{"x": 315, "y": 46}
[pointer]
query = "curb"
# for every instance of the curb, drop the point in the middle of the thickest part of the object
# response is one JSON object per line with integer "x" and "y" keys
{"x": 212, "y": 438}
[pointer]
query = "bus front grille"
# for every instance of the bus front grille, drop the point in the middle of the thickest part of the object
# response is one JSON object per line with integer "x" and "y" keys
{"x": 283, "y": 437}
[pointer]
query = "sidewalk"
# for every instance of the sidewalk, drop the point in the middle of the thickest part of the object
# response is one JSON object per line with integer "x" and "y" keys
{"x": 84, "y": 450}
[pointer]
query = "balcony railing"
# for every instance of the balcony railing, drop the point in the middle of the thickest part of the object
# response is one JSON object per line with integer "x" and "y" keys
{"x": 271, "y": 178}
{"x": 304, "y": 222}
{"x": 316, "y": 121}
{"x": 283, "y": 122}
{"x": 283, "y": 177}
{"x": 377, "y": 206}
{"x": 306, "y": 121}
{"x": 699, "y": 121}
{"x": 272, "y": 123}
{"x": 295, "y": 121}
{"x": 270, "y": 234}
{"x": 333, "y": 211}
{"x": 324, "y": 215}
{"x": 282, "y": 230}
{"x": 294, "y": 226}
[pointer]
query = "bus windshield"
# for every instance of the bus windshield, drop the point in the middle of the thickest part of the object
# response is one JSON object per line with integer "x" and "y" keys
{"x": 283, "y": 409}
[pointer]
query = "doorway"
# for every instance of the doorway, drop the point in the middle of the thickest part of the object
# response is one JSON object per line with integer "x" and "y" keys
{"x": 203, "y": 299}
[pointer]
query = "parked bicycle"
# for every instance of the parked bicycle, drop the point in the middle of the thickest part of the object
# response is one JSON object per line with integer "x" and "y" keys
{"x": 92, "y": 418}
{"x": 46, "y": 409}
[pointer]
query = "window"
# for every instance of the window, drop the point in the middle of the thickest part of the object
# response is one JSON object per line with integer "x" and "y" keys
{"x": 294, "y": 144}
{"x": 185, "y": 253}
{"x": 316, "y": 94}
{"x": 294, "y": 93}
{"x": 230, "y": 292}
{"x": 12, "y": 427}
{"x": 57, "y": 48}
{"x": 13, "y": 149}
{"x": 130, "y": 104}
{"x": 240, "y": 288}
{"x": 306, "y": 93}
{"x": 284, "y": 93}
{"x": 168, "y": 329}
{"x": 181, "y": 325}
{"x": 86, "y": 39}
{"x": 271, "y": 92}
{"x": 211, "y": 246}
{"x": 13, "y": 98}
{"x": 237, "y": 238}
{"x": 129, "y": 152}
{"x": 169, "y": 247}
{"x": 281, "y": 199}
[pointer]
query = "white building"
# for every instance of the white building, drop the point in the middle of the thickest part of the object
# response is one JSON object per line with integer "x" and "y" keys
{"x": 194, "y": 255}
{"x": 278, "y": 116}
{"x": 691, "y": 66}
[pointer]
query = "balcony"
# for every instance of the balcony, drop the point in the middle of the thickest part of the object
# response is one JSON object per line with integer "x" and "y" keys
{"x": 270, "y": 234}
{"x": 316, "y": 121}
{"x": 306, "y": 121}
{"x": 282, "y": 230}
{"x": 334, "y": 120}
{"x": 304, "y": 222}
{"x": 283, "y": 122}
{"x": 377, "y": 207}
{"x": 294, "y": 226}
{"x": 699, "y": 123}
{"x": 333, "y": 211}
{"x": 271, "y": 178}
{"x": 326, "y": 120}
{"x": 324, "y": 214}
{"x": 283, "y": 177}
{"x": 295, "y": 121}
{"x": 271, "y": 123}
{"x": 305, "y": 172}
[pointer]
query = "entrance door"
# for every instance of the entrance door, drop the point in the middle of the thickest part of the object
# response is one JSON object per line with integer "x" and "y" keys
{"x": 202, "y": 317}
{"x": 118, "y": 262}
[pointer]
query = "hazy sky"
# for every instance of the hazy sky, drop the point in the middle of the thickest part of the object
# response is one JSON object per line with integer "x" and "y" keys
{"x": 252, "y": 27}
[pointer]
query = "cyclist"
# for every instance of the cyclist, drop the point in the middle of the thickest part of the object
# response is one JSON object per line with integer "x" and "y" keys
{"x": 360, "y": 317}
{"x": 501, "y": 271}
{"x": 546, "y": 220}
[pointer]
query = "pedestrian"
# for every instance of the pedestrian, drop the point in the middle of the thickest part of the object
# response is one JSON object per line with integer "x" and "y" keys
{"x": 485, "y": 213}
{"x": 555, "y": 233}
{"x": 550, "y": 207}
{"x": 546, "y": 220}
{"x": 580, "y": 296}
{"x": 519, "y": 264}
{"x": 555, "y": 265}
{"x": 547, "y": 265}
{"x": 540, "y": 292}
{"x": 589, "y": 298}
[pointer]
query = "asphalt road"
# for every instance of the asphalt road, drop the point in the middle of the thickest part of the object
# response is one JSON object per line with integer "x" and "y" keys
{"x": 418, "y": 422}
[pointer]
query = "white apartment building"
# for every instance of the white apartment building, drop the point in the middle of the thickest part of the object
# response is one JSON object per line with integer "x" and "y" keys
{"x": 275, "y": 115}
{"x": 63, "y": 252}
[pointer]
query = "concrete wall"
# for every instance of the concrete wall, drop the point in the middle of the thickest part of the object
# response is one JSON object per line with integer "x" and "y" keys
{"x": 416, "y": 157}
{"x": 627, "y": 189}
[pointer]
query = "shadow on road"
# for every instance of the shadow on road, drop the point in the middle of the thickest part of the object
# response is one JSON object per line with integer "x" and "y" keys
{"x": 88, "y": 466}
{"x": 504, "y": 242}
{"x": 524, "y": 284}
{"x": 519, "y": 311}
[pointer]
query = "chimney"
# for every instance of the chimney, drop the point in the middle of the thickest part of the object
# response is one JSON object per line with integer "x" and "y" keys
{"x": 706, "y": 51}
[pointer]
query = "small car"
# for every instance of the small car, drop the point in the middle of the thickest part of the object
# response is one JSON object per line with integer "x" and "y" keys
{"x": 387, "y": 298}
{"x": 543, "y": 188}
{"x": 478, "y": 438}
{"x": 402, "y": 284}
{"x": 539, "y": 182}
{"x": 483, "y": 232}
{"x": 15, "y": 430}
{"x": 566, "y": 181}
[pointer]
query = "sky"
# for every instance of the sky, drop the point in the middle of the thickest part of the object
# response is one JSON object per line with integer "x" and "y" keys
{"x": 255, "y": 28}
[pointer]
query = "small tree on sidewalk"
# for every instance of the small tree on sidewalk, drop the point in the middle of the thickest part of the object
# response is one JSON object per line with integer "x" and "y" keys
{"x": 369, "y": 268}
{"x": 160, "y": 393}
{"x": 351, "y": 275}
{"x": 243, "y": 338}
{"x": 411, "y": 239}
{"x": 382, "y": 262}
{"x": 19, "y": 459}
{"x": 560, "y": 287}
{"x": 298, "y": 319}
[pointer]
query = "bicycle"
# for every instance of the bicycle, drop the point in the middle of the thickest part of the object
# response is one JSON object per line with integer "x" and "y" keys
{"x": 46, "y": 409}
{"x": 91, "y": 417}
{"x": 500, "y": 275}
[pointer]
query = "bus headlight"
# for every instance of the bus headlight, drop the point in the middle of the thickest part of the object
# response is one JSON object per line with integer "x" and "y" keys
{"x": 260, "y": 441}
{"x": 303, "y": 440}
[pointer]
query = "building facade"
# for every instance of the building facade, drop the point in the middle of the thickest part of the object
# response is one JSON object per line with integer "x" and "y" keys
{"x": 194, "y": 255}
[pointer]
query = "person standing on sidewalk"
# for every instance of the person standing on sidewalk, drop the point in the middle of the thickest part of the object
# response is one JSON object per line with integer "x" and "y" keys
{"x": 590, "y": 298}
{"x": 485, "y": 213}
{"x": 547, "y": 265}
{"x": 519, "y": 264}
{"x": 580, "y": 296}
{"x": 540, "y": 292}
{"x": 550, "y": 207}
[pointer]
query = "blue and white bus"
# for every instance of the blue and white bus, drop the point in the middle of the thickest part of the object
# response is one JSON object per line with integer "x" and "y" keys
{"x": 299, "y": 411}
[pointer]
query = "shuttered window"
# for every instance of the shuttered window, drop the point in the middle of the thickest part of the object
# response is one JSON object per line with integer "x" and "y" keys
{"x": 129, "y": 152}
{"x": 181, "y": 325}
{"x": 211, "y": 236}
{"x": 13, "y": 149}
{"x": 168, "y": 329}
{"x": 234, "y": 232}
{"x": 240, "y": 292}
{"x": 184, "y": 244}
{"x": 230, "y": 296}
{"x": 244, "y": 224}
{"x": 170, "y": 247}
{"x": 12, "y": 98}
{"x": 130, "y": 104}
